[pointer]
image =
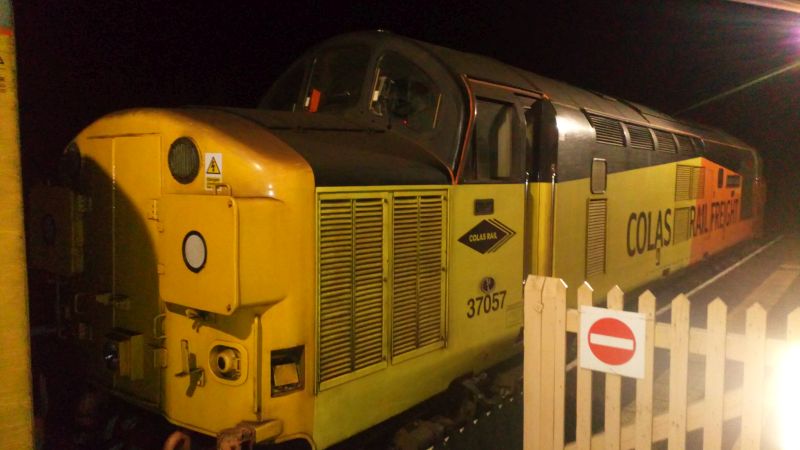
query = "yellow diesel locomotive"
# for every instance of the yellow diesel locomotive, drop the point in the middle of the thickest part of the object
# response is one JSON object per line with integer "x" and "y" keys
{"x": 312, "y": 267}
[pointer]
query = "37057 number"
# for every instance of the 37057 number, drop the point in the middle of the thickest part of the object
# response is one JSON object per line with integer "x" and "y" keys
{"x": 485, "y": 304}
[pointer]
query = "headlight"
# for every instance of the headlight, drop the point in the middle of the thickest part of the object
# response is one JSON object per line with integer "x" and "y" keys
{"x": 183, "y": 160}
{"x": 194, "y": 251}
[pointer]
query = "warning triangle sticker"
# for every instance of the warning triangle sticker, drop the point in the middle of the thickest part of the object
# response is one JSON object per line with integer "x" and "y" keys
{"x": 213, "y": 168}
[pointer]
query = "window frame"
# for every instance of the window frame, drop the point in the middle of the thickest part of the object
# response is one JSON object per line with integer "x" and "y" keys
{"x": 521, "y": 101}
{"x": 376, "y": 68}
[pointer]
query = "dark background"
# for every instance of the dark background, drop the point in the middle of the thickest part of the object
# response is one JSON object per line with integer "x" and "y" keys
{"x": 79, "y": 60}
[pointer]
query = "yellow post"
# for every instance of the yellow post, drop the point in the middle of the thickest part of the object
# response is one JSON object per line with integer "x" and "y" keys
{"x": 16, "y": 421}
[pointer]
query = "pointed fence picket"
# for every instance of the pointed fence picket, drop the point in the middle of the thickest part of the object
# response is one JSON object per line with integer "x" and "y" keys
{"x": 547, "y": 323}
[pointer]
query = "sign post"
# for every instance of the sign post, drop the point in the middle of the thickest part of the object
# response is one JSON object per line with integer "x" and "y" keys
{"x": 15, "y": 361}
{"x": 612, "y": 341}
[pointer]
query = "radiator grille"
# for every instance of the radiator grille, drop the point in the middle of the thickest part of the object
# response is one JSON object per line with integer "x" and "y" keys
{"x": 698, "y": 182}
{"x": 607, "y": 131}
{"x": 683, "y": 182}
{"x": 683, "y": 230}
{"x": 417, "y": 277}
{"x": 354, "y": 303}
{"x": 641, "y": 137}
{"x": 684, "y": 144}
{"x": 665, "y": 142}
{"x": 698, "y": 144}
{"x": 689, "y": 182}
{"x": 351, "y": 285}
{"x": 596, "y": 237}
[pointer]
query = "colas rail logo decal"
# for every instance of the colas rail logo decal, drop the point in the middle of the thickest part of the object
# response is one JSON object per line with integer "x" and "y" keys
{"x": 487, "y": 236}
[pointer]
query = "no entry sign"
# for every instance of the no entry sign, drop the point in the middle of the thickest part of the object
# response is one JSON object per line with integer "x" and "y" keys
{"x": 612, "y": 341}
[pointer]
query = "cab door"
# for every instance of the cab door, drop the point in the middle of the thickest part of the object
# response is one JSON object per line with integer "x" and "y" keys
{"x": 487, "y": 224}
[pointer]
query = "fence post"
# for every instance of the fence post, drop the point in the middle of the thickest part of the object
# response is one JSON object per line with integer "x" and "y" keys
{"x": 678, "y": 371}
{"x": 583, "y": 401}
{"x": 644, "y": 387}
{"x": 613, "y": 387}
{"x": 545, "y": 351}
{"x": 753, "y": 387}
{"x": 716, "y": 326}
{"x": 532, "y": 362}
{"x": 558, "y": 305}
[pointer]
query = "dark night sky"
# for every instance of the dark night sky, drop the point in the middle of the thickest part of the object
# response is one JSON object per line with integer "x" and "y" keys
{"x": 79, "y": 60}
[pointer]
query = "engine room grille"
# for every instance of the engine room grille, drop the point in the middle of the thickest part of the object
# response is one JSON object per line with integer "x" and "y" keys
{"x": 665, "y": 142}
{"x": 684, "y": 144}
{"x": 351, "y": 294}
{"x": 683, "y": 230}
{"x": 607, "y": 131}
{"x": 596, "y": 237}
{"x": 417, "y": 278}
{"x": 358, "y": 232}
{"x": 689, "y": 182}
{"x": 641, "y": 137}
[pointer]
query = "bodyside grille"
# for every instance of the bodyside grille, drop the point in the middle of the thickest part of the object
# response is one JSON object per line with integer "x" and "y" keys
{"x": 665, "y": 142}
{"x": 358, "y": 233}
{"x": 417, "y": 277}
{"x": 684, "y": 144}
{"x": 351, "y": 275}
{"x": 689, "y": 182}
{"x": 683, "y": 230}
{"x": 641, "y": 137}
{"x": 607, "y": 131}
{"x": 596, "y": 237}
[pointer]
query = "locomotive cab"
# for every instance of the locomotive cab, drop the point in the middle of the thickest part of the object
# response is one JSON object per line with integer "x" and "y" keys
{"x": 380, "y": 81}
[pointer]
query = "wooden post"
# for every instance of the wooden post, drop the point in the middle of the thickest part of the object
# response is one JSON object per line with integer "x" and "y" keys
{"x": 613, "y": 386}
{"x": 583, "y": 406}
{"x": 755, "y": 333}
{"x": 716, "y": 326}
{"x": 644, "y": 387}
{"x": 532, "y": 366}
{"x": 554, "y": 292}
{"x": 16, "y": 405}
{"x": 678, "y": 371}
{"x": 559, "y": 308}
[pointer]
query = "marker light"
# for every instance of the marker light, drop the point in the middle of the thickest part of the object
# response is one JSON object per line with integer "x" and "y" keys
{"x": 194, "y": 251}
{"x": 788, "y": 399}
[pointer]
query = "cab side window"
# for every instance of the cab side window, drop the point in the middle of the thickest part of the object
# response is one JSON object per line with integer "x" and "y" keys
{"x": 496, "y": 150}
{"x": 284, "y": 94}
{"x": 404, "y": 94}
{"x": 336, "y": 79}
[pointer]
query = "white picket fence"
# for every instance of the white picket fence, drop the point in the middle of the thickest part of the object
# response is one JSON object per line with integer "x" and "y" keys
{"x": 547, "y": 323}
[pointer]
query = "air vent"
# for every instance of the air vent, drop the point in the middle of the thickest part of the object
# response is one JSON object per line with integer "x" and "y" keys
{"x": 351, "y": 271}
{"x": 684, "y": 144}
{"x": 683, "y": 182}
{"x": 607, "y": 131}
{"x": 698, "y": 145}
{"x": 698, "y": 182}
{"x": 596, "y": 237}
{"x": 683, "y": 230}
{"x": 666, "y": 143}
{"x": 641, "y": 137}
{"x": 417, "y": 277}
{"x": 689, "y": 183}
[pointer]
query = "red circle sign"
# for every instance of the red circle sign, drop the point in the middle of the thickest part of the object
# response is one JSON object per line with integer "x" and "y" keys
{"x": 611, "y": 341}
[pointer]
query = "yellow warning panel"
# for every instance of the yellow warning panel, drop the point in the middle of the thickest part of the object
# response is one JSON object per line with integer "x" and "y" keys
{"x": 213, "y": 170}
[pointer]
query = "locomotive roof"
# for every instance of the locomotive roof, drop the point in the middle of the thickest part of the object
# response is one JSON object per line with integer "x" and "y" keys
{"x": 490, "y": 69}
